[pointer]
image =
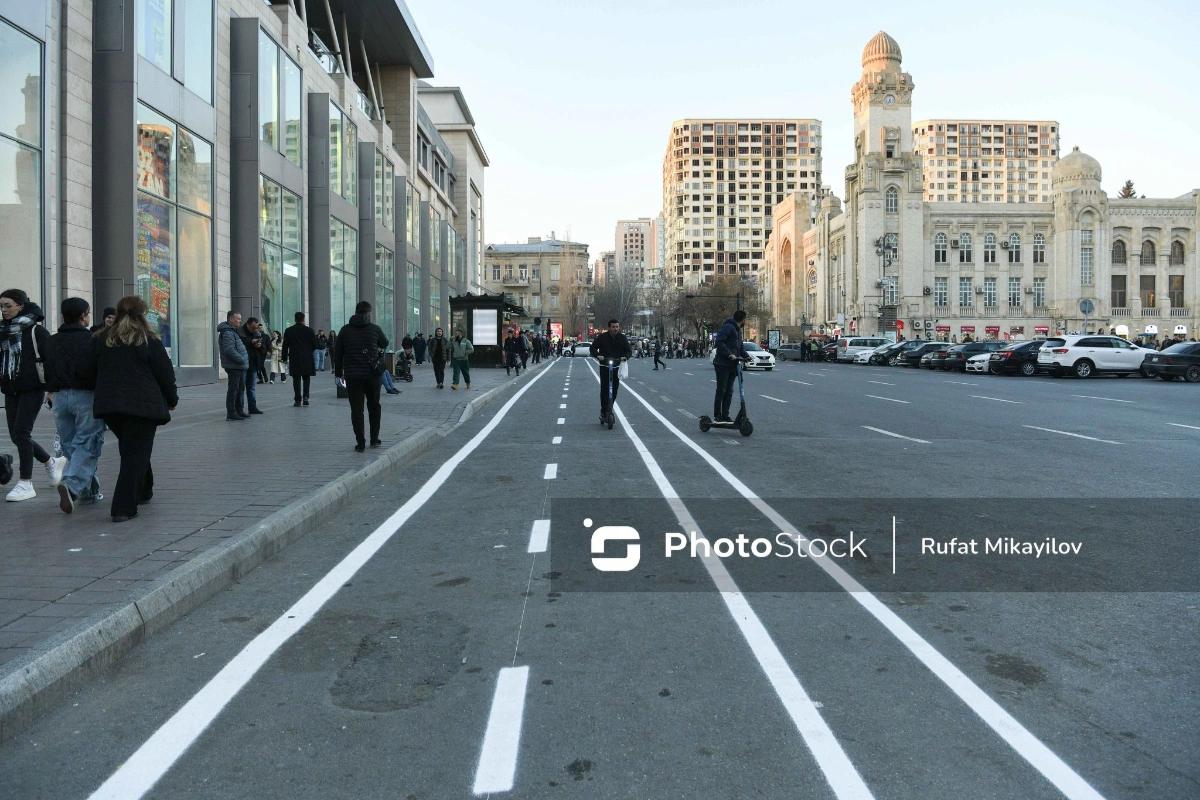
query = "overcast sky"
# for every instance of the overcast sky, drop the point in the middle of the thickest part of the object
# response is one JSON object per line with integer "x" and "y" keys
{"x": 574, "y": 99}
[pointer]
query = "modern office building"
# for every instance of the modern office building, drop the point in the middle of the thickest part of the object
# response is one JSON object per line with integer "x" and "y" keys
{"x": 988, "y": 160}
{"x": 721, "y": 178}
{"x": 633, "y": 248}
{"x": 549, "y": 278}
{"x": 217, "y": 154}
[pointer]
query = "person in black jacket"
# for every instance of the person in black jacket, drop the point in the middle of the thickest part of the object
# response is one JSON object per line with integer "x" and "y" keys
{"x": 357, "y": 358}
{"x": 300, "y": 347}
{"x": 23, "y": 346}
{"x": 610, "y": 346}
{"x": 319, "y": 353}
{"x": 729, "y": 351}
{"x": 257, "y": 347}
{"x": 81, "y": 434}
{"x": 438, "y": 348}
{"x": 134, "y": 392}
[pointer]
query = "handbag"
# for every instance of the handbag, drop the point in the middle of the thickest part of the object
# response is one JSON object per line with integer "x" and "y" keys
{"x": 38, "y": 363}
{"x": 378, "y": 364}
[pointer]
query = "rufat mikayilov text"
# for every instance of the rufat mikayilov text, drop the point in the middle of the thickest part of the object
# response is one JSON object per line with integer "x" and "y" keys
{"x": 1000, "y": 546}
{"x": 785, "y": 545}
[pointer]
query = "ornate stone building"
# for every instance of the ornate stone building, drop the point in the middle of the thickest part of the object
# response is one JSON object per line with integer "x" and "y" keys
{"x": 891, "y": 260}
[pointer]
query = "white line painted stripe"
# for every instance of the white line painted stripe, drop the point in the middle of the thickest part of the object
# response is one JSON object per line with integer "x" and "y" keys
{"x": 890, "y": 399}
{"x": 539, "y": 537}
{"x": 687, "y": 373}
{"x": 802, "y": 383}
{"x": 562, "y": 420}
{"x": 498, "y": 757}
{"x": 564, "y": 397}
{"x": 843, "y": 778}
{"x": 665, "y": 398}
{"x": 687, "y": 413}
{"x": 897, "y": 435}
{"x": 152, "y": 760}
{"x": 1068, "y": 433}
{"x": 882, "y": 383}
{"x": 776, "y": 399}
{"x": 1041, "y": 757}
{"x": 997, "y": 399}
{"x": 1109, "y": 399}
{"x": 818, "y": 374}
{"x": 961, "y": 383}
{"x": 562, "y": 405}
{"x": 551, "y": 472}
{"x": 1177, "y": 425}
{"x": 556, "y": 440}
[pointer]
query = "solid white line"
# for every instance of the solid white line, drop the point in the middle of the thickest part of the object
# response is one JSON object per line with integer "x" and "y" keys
{"x": 1041, "y": 757}
{"x": 997, "y": 399}
{"x": 551, "y": 472}
{"x": 898, "y": 436}
{"x": 1177, "y": 425}
{"x": 843, "y": 778}
{"x": 1068, "y": 433}
{"x": 1109, "y": 399}
{"x": 151, "y": 761}
{"x": 556, "y": 440}
{"x": 539, "y": 537}
{"x": 800, "y": 382}
{"x": 498, "y": 756}
{"x": 892, "y": 399}
{"x": 562, "y": 420}
{"x": 882, "y": 383}
{"x": 776, "y": 399}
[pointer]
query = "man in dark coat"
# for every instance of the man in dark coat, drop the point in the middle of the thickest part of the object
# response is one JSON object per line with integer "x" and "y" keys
{"x": 235, "y": 361}
{"x": 730, "y": 350}
{"x": 258, "y": 344}
{"x": 610, "y": 346}
{"x": 81, "y": 434}
{"x": 300, "y": 345}
{"x": 418, "y": 347}
{"x": 358, "y": 349}
{"x": 439, "y": 354}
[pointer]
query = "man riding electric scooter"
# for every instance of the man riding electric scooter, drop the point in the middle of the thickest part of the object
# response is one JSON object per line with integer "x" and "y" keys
{"x": 610, "y": 346}
{"x": 730, "y": 350}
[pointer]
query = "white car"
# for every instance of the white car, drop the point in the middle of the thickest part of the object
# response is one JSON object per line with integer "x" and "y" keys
{"x": 580, "y": 349}
{"x": 865, "y": 356}
{"x": 759, "y": 358}
{"x": 1085, "y": 356}
{"x": 979, "y": 363}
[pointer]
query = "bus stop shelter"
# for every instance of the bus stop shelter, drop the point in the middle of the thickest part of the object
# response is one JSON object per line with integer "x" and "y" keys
{"x": 483, "y": 318}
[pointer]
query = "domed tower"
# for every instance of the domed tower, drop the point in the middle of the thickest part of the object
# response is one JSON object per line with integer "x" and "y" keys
{"x": 882, "y": 100}
{"x": 1082, "y": 244}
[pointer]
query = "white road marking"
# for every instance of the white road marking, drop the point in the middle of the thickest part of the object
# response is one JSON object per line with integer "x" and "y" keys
{"x": 843, "y": 778}
{"x": 687, "y": 373}
{"x": 539, "y": 537}
{"x": 1041, "y": 757}
{"x": 776, "y": 399}
{"x": 802, "y": 383}
{"x": 1177, "y": 425}
{"x": 564, "y": 397}
{"x": 1068, "y": 433}
{"x": 687, "y": 413}
{"x": 562, "y": 405}
{"x": 665, "y": 398}
{"x": 890, "y": 399}
{"x": 961, "y": 383}
{"x": 498, "y": 757}
{"x": 562, "y": 420}
{"x": 818, "y": 374}
{"x": 882, "y": 383}
{"x": 146, "y": 766}
{"x": 556, "y": 440}
{"x": 897, "y": 435}
{"x": 551, "y": 472}
{"x": 997, "y": 399}
{"x": 1109, "y": 399}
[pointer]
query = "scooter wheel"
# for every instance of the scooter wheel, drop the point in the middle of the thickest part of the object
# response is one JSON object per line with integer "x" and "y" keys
{"x": 747, "y": 428}
{"x": 408, "y": 378}
{"x": 612, "y": 418}
{"x": 705, "y": 424}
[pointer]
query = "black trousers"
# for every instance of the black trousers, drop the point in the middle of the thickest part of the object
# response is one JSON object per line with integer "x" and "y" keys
{"x": 300, "y": 384}
{"x": 234, "y": 391}
{"x": 616, "y": 384}
{"x": 658, "y": 360}
{"x": 439, "y": 371}
{"x": 726, "y": 378}
{"x": 135, "y": 482}
{"x": 20, "y": 411}
{"x": 360, "y": 390}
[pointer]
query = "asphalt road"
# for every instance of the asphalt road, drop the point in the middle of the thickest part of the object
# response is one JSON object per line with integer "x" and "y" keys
{"x": 419, "y": 649}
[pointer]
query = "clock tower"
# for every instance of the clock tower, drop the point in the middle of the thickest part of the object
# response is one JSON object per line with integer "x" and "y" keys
{"x": 882, "y": 100}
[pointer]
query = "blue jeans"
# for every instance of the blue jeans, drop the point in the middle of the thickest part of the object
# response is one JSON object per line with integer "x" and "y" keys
{"x": 251, "y": 394}
{"x": 82, "y": 438}
{"x": 387, "y": 381}
{"x": 319, "y": 358}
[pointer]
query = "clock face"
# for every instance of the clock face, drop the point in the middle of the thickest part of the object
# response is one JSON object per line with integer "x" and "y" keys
{"x": 889, "y": 100}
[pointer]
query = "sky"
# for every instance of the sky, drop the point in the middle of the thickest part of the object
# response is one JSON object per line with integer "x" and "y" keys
{"x": 573, "y": 100}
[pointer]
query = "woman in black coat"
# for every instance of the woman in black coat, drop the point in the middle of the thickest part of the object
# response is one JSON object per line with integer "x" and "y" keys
{"x": 134, "y": 394}
{"x": 24, "y": 389}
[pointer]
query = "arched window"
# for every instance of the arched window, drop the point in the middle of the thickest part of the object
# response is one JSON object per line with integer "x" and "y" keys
{"x": 1039, "y": 248}
{"x": 1014, "y": 248}
{"x": 893, "y": 200}
{"x": 1147, "y": 252}
{"x": 939, "y": 249}
{"x": 1119, "y": 255}
{"x": 1176, "y": 254}
{"x": 989, "y": 248}
{"x": 965, "y": 253}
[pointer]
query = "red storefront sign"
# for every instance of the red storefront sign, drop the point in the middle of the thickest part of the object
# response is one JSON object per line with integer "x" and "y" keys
{"x": 992, "y": 329}
{"x": 967, "y": 328}
{"x": 1041, "y": 328}
{"x": 943, "y": 328}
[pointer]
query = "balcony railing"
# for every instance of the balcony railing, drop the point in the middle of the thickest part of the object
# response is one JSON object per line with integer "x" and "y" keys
{"x": 366, "y": 106}
{"x": 1151, "y": 312}
{"x": 512, "y": 280}
{"x": 1181, "y": 312}
{"x": 1120, "y": 312}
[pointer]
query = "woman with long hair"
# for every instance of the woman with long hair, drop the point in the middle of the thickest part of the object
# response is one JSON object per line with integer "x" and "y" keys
{"x": 134, "y": 394}
{"x": 277, "y": 365}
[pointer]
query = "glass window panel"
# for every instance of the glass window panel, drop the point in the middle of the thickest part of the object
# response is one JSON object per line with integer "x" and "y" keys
{"x": 272, "y": 213}
{"x": 435, "y": 230}
{"x": 335, "y": 149}
{"x": 413, "y": 293}
{"x": 293, "y": 292}
{"x": 337, "y": 304}
{"x": 293, "y": 223}
{"x": 385, "y": 281}
{"x": 153, "y": 261}
{"x": 271, "y": 285}
{"x": 351, "y": 264}
{"x": 389, "y": 196}
{"x": 21, "y": 216}
{"x": 20, "y": 86}
{"x": 195, "y": 172}
{"x": 435, "y": 303}
{"x": 268, "y": 90}
{"x": 378, "y": 186}
{"x": 193, "y": 291}
{"x": 293, "y": 99}
{"x": 198, "y": 47}
{"x": 350, "y": 169}
{"x": 154, "y": 31}
{"x": 156, "y": 153}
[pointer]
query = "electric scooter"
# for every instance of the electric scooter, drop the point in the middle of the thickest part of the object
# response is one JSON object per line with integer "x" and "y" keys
{"x": 608, "y": 417}
{"x": 741, "y": 423}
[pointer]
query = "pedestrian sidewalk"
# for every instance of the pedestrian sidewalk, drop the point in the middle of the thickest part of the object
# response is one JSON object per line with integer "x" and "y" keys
{"x": 212, "y": 480}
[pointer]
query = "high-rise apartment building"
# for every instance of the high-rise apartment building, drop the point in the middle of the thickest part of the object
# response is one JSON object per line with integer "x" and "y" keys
{"x": 633, "y": 247}
{"x": 986, "y": 160}
{"x": 720, "y": 180}
{"x": 657, "y": 248}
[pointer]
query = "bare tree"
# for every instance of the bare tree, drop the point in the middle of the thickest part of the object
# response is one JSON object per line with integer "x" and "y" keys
{"x": 617, "y": 298}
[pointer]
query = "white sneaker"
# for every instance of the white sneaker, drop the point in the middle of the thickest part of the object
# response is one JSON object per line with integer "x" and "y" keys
{"x": 22, "y": 491}
{"x": 54, "y": 470}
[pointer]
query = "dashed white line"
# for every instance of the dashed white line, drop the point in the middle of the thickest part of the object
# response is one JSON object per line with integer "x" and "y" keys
{"x": 498, "y": 756}
{"x": 562, "y": 420}
{"x": 564, "y": 397}
{"x": 776, "y": 399}
{"x": 687, "y": 413}
{"x": 897, "y": 435}
{"x": 890, "y": 399}
{"x": 562, "y": 405}
{"x": 961, "y": 383}
{"x": 802, "y": 383}
{"x": 997, "y": 399}
{"x": 1177, "y": 425}
{"x": 687, "y": 373}
{"x": 556, "y": 440}
{"x": 1068, "y": 433}
{"x": 539, "y": 536}
{"x": 1108, "y": 399}
{"x": 551, "y": 472}
{"x": 882, "y": 383}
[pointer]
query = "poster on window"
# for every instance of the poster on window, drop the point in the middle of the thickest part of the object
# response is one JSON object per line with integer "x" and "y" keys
{"x": 154, "y": 158}
{"x": 154, "y": 264}
{"x": 485, "y": 323}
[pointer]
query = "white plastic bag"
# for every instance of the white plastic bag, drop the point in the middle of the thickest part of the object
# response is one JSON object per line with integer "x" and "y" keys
{"x": 623, "y": 372}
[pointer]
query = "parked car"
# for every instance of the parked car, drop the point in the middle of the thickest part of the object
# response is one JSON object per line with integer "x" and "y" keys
{"x": 1085, "y": 356}
{"x": 580, "y": 349}
{"x": 851, "y": 346}
{"x": 759, "y": 358}
{"x": 868, "y": 356}
{"x": 1019, "y": 358}
{"x": 980, "y": 362}
{"x": 957, "y": 357}
{"x": 912, "y": 357}
{"x": 937, "y": 357}
{"x": 1177, "y": 361}
{"x": 790, "y": 351}
{"x": 827, "y": 352}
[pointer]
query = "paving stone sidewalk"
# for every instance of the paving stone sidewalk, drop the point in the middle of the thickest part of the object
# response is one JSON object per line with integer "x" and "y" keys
{"x": 212, "y": 478}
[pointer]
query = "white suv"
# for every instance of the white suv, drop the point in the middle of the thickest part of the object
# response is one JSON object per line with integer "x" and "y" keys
{"x": 1085, "y": 356}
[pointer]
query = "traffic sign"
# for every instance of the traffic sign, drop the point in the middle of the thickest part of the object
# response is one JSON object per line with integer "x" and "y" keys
{"x": 1086, "y": 307}
{"x": 900, "y": 324}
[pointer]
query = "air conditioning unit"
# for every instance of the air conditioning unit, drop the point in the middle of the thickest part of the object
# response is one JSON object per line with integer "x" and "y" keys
{"x": 927, "y": 290}
{"x": 878, "y": 284}
{"x": 954, "y": 242}
{"x": 979, "y": 291}
{"x": 1028, "y": 290}
{"x": 1004, "y": 245}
